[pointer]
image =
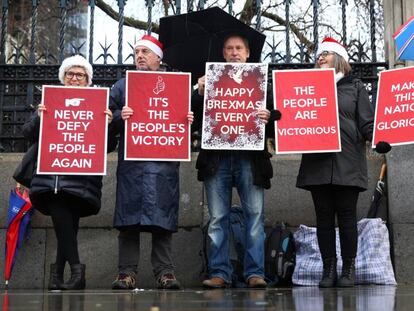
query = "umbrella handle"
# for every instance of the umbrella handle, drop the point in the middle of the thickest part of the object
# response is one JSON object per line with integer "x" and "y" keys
{"x": 383, "y": 171}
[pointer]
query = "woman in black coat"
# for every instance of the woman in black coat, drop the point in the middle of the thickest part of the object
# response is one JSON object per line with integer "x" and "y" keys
{"x": 336, "y": 179}
{"x": 66, "y": 198}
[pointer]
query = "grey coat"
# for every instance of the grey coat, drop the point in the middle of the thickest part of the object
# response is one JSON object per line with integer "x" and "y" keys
{"x": 147, "y": 193}
{"x": 348, "y": 167}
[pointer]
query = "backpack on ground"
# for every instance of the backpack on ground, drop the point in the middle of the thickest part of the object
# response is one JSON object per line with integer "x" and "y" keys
{"x": 236, "y": 246}
{"x": 279, "y": 255}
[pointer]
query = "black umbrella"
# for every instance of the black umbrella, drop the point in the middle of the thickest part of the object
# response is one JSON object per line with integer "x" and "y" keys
{"x": 190, "y": 40}
{"x": 378, "y": 208}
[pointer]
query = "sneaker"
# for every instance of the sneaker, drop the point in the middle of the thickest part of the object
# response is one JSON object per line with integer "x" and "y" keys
{"x": 168, "y": 281}
{"x": 124, "y": 281}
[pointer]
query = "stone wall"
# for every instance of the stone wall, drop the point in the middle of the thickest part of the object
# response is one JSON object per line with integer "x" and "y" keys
{"x": 98, "y": 241}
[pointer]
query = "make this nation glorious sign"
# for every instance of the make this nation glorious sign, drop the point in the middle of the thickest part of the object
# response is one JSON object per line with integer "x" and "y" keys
{"x": 394, "y": 113}
{"x": 73, "y": 131}
{"x": 158, "y": 130}
{"x": 233, "y": 93}
{"x": 308, "y": 103}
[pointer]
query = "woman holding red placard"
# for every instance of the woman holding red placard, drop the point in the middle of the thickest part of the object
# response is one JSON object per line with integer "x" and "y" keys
{"x": 66, "y": 198}
{"x": 336, "y": 179}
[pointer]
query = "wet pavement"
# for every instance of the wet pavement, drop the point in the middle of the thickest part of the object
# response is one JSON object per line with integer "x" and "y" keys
{"x": 362, "y": 298}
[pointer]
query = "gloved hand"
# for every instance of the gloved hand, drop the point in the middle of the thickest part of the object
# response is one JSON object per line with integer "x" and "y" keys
{"x": 275, "y": 115}
{"x": 382, "y": 147}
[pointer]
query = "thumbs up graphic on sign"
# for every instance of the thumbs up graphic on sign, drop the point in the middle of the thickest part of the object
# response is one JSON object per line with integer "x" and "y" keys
{"x": 73, "y": 102}
{"x": 159, "y": 86}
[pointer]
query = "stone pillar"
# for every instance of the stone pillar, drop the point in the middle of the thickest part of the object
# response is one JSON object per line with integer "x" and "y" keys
{"x": 400, "y": 160}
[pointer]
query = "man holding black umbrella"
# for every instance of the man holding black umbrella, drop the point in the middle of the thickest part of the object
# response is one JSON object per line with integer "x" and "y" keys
{"x": 250, "y": 173}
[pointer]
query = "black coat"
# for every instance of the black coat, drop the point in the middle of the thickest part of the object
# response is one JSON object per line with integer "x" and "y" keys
{"x": 85, "y": 187}
{"x": 208, "y": 160}
{"x": 147, "y": 192}
{"x": 348, "y": 167}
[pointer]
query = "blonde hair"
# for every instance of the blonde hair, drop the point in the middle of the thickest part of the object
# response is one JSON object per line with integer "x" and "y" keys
{"x": 340, "y": 64}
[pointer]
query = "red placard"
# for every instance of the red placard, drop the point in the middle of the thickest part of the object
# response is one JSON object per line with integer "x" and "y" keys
{"x": 73, "y": 131}
{"x": 233, "y": 93}
{"x": 308, "y": 103}
{"x": 158, "y": 130}
{"x": 394, "y": 113}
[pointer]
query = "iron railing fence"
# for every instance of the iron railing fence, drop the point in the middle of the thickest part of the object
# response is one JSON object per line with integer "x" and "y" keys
{"x": 26, "y": 65}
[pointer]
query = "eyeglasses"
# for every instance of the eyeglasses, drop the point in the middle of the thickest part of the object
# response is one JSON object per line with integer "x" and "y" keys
{"x": 79, "y": 76}
{"x": 324, "y": 54}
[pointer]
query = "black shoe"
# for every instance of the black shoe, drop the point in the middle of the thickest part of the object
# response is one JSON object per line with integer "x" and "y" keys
{"x": 168, "y": 281}
{"x": 56, "y": 277}
{"x": 347, "y": 278}
{"x": 124, "y": 281}
{"x": 77, "y": 278}
{"x": 329, "y": 275}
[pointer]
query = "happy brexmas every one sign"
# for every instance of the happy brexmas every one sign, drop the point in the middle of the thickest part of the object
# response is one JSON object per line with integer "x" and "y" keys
{"x": 73, "y": 131}
{"x": 233, "y": 93}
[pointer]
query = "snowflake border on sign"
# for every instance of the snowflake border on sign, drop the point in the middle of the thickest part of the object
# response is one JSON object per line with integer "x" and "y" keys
{"x": 244, "y": 141}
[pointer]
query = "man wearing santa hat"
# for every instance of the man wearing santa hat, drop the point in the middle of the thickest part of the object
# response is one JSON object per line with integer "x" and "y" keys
{"x": 147, "y": 192}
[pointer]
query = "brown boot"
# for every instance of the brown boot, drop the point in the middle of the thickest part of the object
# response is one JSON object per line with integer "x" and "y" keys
{"x": 215, "y": 282}
{"x": 256, "y": 282}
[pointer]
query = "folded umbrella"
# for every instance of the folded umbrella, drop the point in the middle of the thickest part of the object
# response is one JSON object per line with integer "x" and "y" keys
{"x": 378, "y": 208}
{"x": 18, "y": 218}
{"x": 190, "y": 40}
{"x": 404, "y": 40}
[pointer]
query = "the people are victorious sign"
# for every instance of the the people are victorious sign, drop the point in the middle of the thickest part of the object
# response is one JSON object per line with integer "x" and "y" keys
{"x": 233, "y": 93}
{"x": 158, "y": 130}
{"x": 73, "y": 131}
{"x": 308, "y": 103}
{"x": 394, "y": 113}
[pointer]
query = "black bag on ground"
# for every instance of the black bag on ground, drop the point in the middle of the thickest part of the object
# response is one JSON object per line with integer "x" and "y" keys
{"x": 236, "y": 245}
{"x": 279, "y": 255}
{"x": 23, "y": 173}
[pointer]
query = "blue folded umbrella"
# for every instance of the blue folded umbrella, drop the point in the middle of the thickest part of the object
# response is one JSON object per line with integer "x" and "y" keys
{"x": 404, "y": 40}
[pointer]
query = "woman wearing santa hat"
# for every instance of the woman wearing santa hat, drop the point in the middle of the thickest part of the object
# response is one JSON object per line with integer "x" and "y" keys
{"x": 66, "y": 198}
{"x": 336, "y": 179}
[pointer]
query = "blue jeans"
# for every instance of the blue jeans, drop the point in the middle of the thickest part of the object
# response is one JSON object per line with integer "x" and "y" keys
{"x": 235, "y": 170}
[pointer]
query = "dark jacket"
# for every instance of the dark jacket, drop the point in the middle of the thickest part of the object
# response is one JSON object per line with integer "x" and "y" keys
{"x": 208, "y": 160}
{"x": 348, "y": 167}
{"x": 85, "y": 187}
{"x": 147, "y": 192}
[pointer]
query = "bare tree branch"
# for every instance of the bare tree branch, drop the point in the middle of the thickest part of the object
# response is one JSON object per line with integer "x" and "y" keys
{"x": 129, "y": 21}
{"x": 293, "y": 28}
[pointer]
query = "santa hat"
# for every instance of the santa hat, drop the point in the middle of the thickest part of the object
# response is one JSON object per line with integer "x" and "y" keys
{"x": 75, "y": 61}
{"x": 151, "y": 43}
{"x": 331, "y": 45}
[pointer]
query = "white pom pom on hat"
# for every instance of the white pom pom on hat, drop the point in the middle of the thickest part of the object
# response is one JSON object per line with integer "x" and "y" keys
{"x": 331, "y": 45}
{"x": 75, "y": 61}
{"x": 151, "y": 43}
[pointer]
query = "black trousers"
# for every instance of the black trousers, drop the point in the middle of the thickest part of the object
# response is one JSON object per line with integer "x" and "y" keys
{"x": 65, "y": 217}
{"x": 331, "y": 200}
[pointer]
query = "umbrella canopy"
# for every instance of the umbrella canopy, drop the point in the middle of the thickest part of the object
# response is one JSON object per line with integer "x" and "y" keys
{"x": 18, "y": 217}
{"x": 378, "y": 208}
{"x": 404, "y": 40}
{"x": 190, "y": 40}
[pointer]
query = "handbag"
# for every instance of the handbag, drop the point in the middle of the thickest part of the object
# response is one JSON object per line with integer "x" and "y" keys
{"x": 23, "y": 173}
